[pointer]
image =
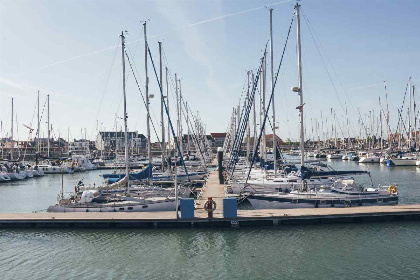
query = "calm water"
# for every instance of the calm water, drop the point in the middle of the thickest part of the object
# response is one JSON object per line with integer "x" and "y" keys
{"x": 362, "y": 251}
{"x": 353, "y": 251}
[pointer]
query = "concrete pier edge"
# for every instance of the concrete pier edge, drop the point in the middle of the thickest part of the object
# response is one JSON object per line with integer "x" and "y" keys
{"x": 137, "y": 220}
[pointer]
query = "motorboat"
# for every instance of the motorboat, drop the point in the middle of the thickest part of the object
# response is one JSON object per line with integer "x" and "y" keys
{"x": 53, "y": 169}
{"x": 403, "y": 161}
{"x": 369, "y": 158}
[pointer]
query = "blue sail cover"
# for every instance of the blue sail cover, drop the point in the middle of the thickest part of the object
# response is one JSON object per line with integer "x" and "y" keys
{"x": 307, "y": 173}
{"x": 143, "y": 174}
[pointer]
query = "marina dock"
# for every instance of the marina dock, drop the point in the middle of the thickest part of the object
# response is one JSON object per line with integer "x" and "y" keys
{"x": 246, "y": 218}
{"x": 214, "y": 190}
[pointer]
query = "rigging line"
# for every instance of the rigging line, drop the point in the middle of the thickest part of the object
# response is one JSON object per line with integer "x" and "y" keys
{"x": 325, "y": 66}
{"x": 106, "y": 83}
{"x": 152, "y": 115}
{"x": 166, "y": 109}
{"x": 268, "y": 105}
{"x": 316, "y": 38}
{"x": 400, "y": 120}
{"x": 142, "y": 97}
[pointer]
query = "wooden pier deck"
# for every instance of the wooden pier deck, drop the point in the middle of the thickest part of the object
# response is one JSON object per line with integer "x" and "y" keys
{"x": 214, "y": 190}
{"x": 246, "y": 218}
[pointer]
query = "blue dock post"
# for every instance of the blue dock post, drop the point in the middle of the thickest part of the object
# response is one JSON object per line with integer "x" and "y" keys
{"x": 187, "y": 208}
{"x": 230, "y": 209}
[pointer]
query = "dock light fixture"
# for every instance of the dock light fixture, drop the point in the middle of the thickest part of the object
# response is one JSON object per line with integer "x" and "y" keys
{"x": 295, "y": 89}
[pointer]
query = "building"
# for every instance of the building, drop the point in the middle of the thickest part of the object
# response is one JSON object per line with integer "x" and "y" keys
{"x": 81, "y": 146}
{"x": 218, "y": 139}
{"x": 269, "y": 141}
{"x": 115, "y": 141}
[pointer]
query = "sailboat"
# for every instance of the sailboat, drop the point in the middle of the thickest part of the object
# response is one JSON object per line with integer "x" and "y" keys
{"x": 343, "y": 192}
{"x": 121, "y": 196}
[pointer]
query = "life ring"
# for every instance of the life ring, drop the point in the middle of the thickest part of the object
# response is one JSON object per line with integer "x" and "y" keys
{"x": 392, "y": 189}
{"x": 210, "y": 205}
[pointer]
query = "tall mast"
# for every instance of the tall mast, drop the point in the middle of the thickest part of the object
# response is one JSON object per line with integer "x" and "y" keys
{"x": 11, "y": 134}
{"x": 272, "y": 88}
{"x": 387, "y": 114}
{"x": 167, "y": 106}
{"x": 48, "y": 122}
{"x": 2, "y": 146}
{"x": 415, "y": 119}
{"x": 68, "y": 140}
{"x": 299, "y": 55}
{"x": 188, "y": 129}
{"x": 264, "y": 68}
{"x": 39, "y": 125}
{"x": 149, "y": 146}
{"x": 177, "y": 108}
{"x": 380, "y": 120}
{"x": 161, "y": 107}
{"x": 409, "y": 117}
{"x": 255, "y": 116}
{"x": 248, "y": 127}
{"x": 180, "y": 118}
{"x": 125, "y": 114}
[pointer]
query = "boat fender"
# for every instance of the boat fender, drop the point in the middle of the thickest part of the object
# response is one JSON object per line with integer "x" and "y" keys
{"x": 305, "y": 185}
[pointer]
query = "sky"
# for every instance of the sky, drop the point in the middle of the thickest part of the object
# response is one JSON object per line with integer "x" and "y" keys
{"x": 71, "y": 51}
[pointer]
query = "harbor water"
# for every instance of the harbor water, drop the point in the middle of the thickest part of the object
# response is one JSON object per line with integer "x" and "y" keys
{"x": 346, "y": 251}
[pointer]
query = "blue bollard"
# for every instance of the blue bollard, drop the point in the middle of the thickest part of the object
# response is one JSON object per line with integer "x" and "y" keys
{"x": 230, "y": 209}
{"x": 187, "y": 208}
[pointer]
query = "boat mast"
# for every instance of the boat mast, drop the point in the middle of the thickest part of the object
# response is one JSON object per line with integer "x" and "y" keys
{"x": 169, "y": 128}
{"x": 11, "y": 134}
{"x": 409, "y": 117}
{"x": 177, "y": 109}
{"x": 188, "y": 129}
{"x": 264, "y": 68}
{"x": 149, "y": 148}
{"x": 180, "y": 119}
{"x": 255, "y": 116}
{"x": 415, "y": 118}
{"x": 272, "y": 89}
{"x": 125, "y": 113}
{"x": 380, "y": 120}
{"x": 161, "y": 108}
{"x": 48, "y": 122}
{"x": 39, "y": 125}
{"x": 299, "y": 54}
{"x": 248, "y": 130}
{"x": 387, "y": 114}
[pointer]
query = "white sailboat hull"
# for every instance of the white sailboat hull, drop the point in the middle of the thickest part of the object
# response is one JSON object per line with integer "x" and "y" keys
{"x": 169, "y": 205}
{"x": 404, "y": 162}
{"x": 17, "y": 176}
